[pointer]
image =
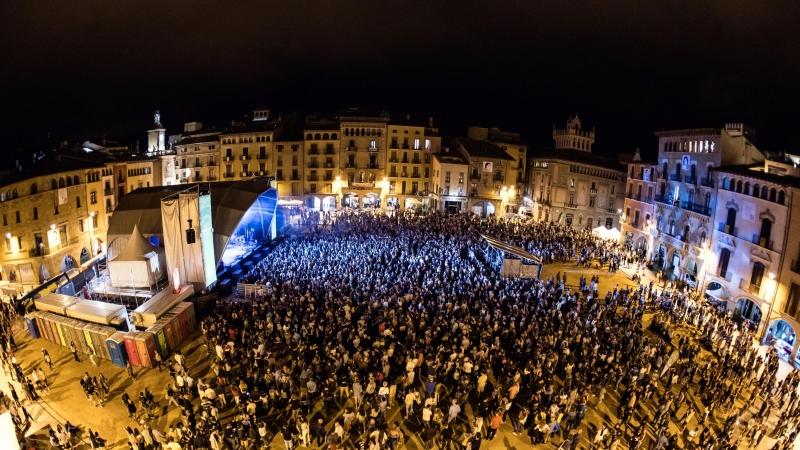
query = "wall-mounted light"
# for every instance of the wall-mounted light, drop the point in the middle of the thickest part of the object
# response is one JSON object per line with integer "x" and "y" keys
{"x": 53, "y": 226}
{"x": 771, "y": 276}
{"x": 8, "y": 235}
{"x": 91, "y": 214}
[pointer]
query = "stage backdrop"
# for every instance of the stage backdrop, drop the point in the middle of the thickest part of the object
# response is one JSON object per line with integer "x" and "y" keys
{"x": 176, "y": 211}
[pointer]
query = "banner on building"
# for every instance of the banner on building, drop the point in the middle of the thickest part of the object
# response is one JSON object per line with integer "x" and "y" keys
{"x": 749, "y": 211}
{"x": 487, "y": 166}
{"x": 62, "y": 196}
{"x": 26, "y": 274}
{"x": 685, "y": 162}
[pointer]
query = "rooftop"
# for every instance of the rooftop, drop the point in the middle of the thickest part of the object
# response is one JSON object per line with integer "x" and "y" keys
{"x": 757, "y": 171}
{"x": 482, "y": 149}
{"x": 577, "y": 156}
{"x": 689, "y": 132}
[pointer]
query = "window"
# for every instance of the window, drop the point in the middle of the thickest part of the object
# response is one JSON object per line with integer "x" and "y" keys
{"x": 80, "y": 225}
{"x": 416, "y": 144}
{"x": 35, "y": 213}
{"x": 8, "y": 244}
{"x": 612, "y": 189}
{"x": 5, "y": 220}
{"x": 17, "y": 213}
{"x": 427, "y": 144}
{"x": 572, "y": 182}
{"x": 19, "y": 242}
{"x": 78, "y": 202}
{"x": 792, "y": 304}
{"x": 93, "y": 197}
{"x": 373, "y": 144}
{"x": 94, "y": 221}
{"x": 294, "y": 160}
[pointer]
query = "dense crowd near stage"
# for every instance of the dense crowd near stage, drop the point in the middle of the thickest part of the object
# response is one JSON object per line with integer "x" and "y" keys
{"x": 376, "y": 331}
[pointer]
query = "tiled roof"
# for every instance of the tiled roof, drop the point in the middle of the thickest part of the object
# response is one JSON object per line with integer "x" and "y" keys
{"x": 483, "y": 149}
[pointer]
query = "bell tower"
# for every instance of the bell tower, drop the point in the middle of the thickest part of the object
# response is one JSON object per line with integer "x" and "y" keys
{"x": 573, "y": 137}
{"x": 156, "y": 136}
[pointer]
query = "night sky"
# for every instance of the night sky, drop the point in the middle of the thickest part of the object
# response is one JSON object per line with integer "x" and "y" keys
{"x": 630, "y": 67}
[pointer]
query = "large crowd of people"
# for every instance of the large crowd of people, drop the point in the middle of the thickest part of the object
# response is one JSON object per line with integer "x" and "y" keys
{"x": 368, "y": 327}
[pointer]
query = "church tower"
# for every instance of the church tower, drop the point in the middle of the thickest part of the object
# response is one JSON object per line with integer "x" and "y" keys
{"x": 156, "y": 136}
{"x": 573, "y": 137}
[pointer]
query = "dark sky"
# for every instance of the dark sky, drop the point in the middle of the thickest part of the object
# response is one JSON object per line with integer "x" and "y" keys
{"x": 630, "y": 67}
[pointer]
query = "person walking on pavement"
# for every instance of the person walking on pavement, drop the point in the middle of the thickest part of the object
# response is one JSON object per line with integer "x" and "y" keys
{"x": 47, "y": 359}
{"x": 74, "y": 351}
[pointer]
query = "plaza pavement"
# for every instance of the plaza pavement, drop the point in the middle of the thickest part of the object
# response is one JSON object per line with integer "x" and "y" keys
{"x": 66, "y": 400}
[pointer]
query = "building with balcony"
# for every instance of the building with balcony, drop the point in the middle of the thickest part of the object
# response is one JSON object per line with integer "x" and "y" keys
{"x": 570, "y": 185}
{"x": 362, "y": 150}
{"x": 638, "y": 210}
{"x": 412, "y": 145}
{"x": 492, "y": 173}
{"x": 321, "y": 152}
{"x": 685, "y": 199}
{"x": 195, "y": 156}
{"x": 53, "y": 219}
{"x": 450, "y": 182}
{"x": 245, "y": 141}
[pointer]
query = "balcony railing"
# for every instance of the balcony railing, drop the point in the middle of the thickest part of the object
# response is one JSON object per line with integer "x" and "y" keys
{"x": 747, "y": 286}
{"x": 108, "y": 191}
{"x": 694, "y": 207}
{"x": 330, "y": 151}
{"x": 212, "y": 163}
{"x": 228, "y": 175}
{"x": 724, "y": 274}
{"x": 724, "y": 228}
{"x": 675, "y": 177}
{"x": 262, "y": 156}
{"x": 635, "y": 224}
{"x": 415, "y": 175}
{"x": 393, "y": 160}
{"x": 473, "y": 193}
{"x": 416, "y": 161}
{"x": 212, "y": 178}
{"x": 245, "y": 157}
{"x": 475, "y": 176}
{"x": 295, "y": 177}
{"x": 571, "y": 205}
{"x": 393, "y": 174}
{"x": 761, "y": 242}
{"x": 328, "y": 178}
{"x": 38, "y": 252}
{"x": 611, "y": 211}
{"x": 394, "y": 145}
{"x": 499, "y": 178}
{"x": 707, "y": 182}
{"x": 227, "y": 158}
{"x": 665, "y": 200}
{"x": 313, "y": 178}
{"x": 329, "y": 165}
{"x": 313, "y": 151}
{"x": 197, "y": 179}
{"x": 109, "y": 209}
{"x": 313, "y": 165}
{"x": 373, "y": 149}
{"x": 690, "y": 180}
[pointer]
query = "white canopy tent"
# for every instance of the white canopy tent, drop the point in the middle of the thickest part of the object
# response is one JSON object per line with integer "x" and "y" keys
{"x": 606, "y": 233}
{"x": 138, "y": 264}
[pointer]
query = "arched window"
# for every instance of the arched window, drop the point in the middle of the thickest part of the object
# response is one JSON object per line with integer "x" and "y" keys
{"x": 746, "y": 190}
{"x": 724, "y": 257}
{"x": 725, "y": 183}
{"x": 686, "y": 233}
{"x": 317, "y": 137}
{"x": 739, "y": 186}
{"x": 62, "y": 183}
{"x": 773, "y": 195}
{"x": 764, "y": 192}
{"x": 781, "y": 198}
{"x": 14, "y": 193}
{"x": 334, "y": 136}
{"x": 69, "y": 181}
{"x": 702, "y": 238}
{"x": 756, "y": 190}
{"x": 766, "y": 231}
{"x": 732, "y": 186}
{"x": 325, "y": 136}
{"x": 758, "y": 274}
{"x": 34, "y": 189}
{"x": 730, "y": 224}
{"x": 53, "y": 184}
{"x": 269, "y": 138}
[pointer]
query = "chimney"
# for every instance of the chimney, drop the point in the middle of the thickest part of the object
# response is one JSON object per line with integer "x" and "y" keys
{"x": 104, "y": 140}
{"x": 408, "y": 116}
{"x": 430, "y": 122}
{"x": 136, "y": 146}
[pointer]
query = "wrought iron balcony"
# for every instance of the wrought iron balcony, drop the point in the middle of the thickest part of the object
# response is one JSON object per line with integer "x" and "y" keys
{"x": 707, "y": 182}
{"x": 694, "y": 207}
{"x": 747, "y": 286}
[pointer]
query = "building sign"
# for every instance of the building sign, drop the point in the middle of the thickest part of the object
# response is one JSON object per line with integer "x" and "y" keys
{"x": 487, "y": 166}
{"x": 685, "y": 162}
{"x": 62, "y": 196}
{"x": 749, "y": 211}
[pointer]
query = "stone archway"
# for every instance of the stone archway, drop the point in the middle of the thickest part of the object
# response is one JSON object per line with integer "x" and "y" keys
{"x": 329, "y": 203}
{"x": 748, "y": 311}
{"x": 85, "y": 256}
{"x": 68, "y": 263}
{"x": 483, "y": 209}
{"x": 783, "y": 337}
